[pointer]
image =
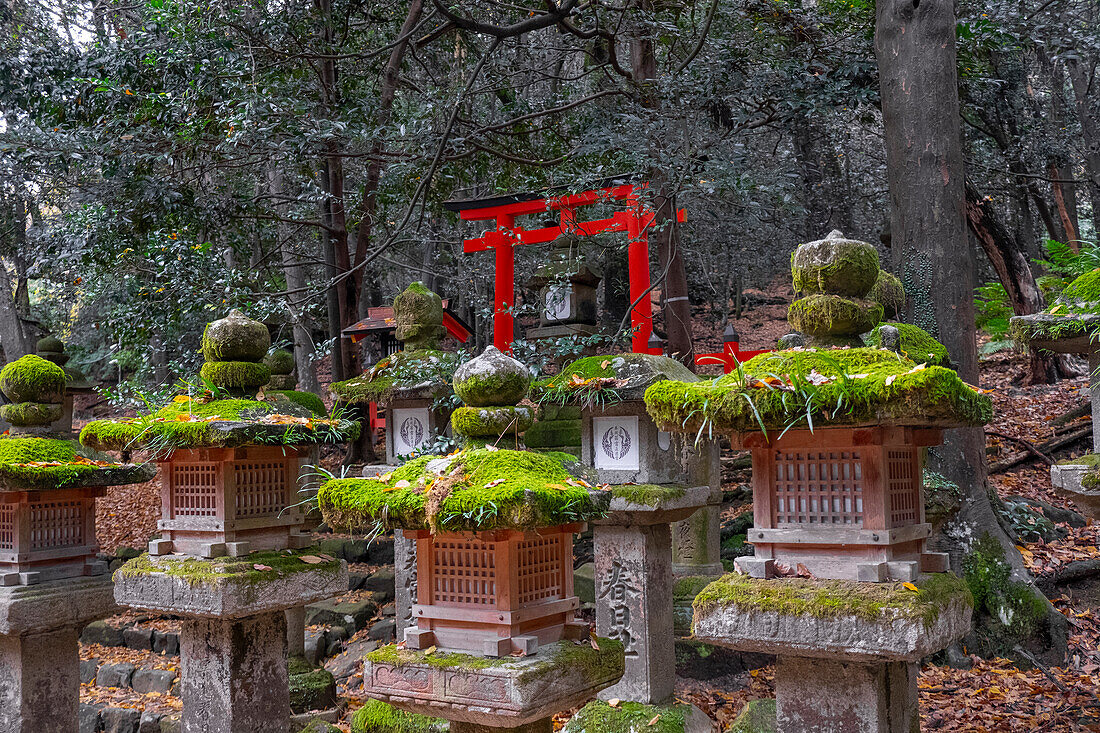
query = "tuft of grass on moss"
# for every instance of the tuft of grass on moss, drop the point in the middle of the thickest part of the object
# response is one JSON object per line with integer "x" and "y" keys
{"x": 834, "y": 598}
{"x": 428, "y": 368}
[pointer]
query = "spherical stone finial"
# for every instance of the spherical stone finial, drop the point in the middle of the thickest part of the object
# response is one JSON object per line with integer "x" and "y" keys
{"x": 235, "y": 338}
{"x": 280, "y": 361}
{"x": 889, "y": 293}
{"x": 33, "y": 379}
{"x": 835, "y": 265}
{"x": 418, "y": 317}
{"x": 492, "y": 379}
{"x": 49, "y": 344}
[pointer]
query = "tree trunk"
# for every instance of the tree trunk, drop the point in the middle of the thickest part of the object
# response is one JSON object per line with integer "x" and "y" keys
{"x": 915, "y": 46}
{"x": 1082, "y": 76}
{"x": 825, "y": 210}
{"x": 15, "y": 338}
{"x": 1010, "y": 262}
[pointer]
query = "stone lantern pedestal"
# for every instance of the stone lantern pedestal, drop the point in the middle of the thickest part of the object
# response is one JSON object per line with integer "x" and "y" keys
{"x": 853, "y": 670}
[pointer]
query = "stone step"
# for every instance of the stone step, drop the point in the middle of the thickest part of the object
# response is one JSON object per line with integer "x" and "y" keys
{"x": 131, "y": 636}
{"x": 100, "y": 718}
{"x": 124, "y": 674}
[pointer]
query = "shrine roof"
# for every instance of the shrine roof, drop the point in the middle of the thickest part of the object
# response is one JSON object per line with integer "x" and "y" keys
{"x": 281, "y": 417}
{"x": 41, "y": 463}
{"x": 470, "y": 490}
{"x": 812, "y": 388}
{"x": 424, "y": 373}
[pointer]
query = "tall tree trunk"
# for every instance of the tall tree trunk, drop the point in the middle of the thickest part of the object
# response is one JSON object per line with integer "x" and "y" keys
{"x": 1082, "y": 76}
{"x": 915, "y": 46}
{"x": 825, "y": 210}
{"x": 15, "y": 337}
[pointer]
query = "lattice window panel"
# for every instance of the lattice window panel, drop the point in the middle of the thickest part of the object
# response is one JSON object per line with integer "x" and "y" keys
{"x": 195, "y": 489}
{"x": 56, "y": 524}
{"x": 261, "y": 488}
{"x": 818, "y": 487}
{"x": 7, "y": 526}
{"x": 902, "y": 490}
{"x": 464, "y": 573}
{"x": 540, "y": 564}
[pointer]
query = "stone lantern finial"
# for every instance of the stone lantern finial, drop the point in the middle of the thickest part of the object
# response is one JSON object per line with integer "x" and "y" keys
{"x": 36, "y": 388}
{"x": 834, "y": 276}
{"x": 234, "y": 348}
{"x": 492, "y": 385}
{"x": 281, "y": 364}
{"x": 418, "y": 313}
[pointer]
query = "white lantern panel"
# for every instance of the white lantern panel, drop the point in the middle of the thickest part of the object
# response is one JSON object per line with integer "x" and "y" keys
{"x": 557, "y": 304}
{"x": 410, "y": 429}
{"x": 615, "y": 443}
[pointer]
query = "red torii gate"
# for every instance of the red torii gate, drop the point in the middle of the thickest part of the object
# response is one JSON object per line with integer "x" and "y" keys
{"x": 635, "y": 219}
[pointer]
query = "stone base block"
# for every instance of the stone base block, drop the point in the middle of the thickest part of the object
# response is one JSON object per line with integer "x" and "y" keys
{"x": 756, "y": 567}
{"x": 39, "y": 682}
{"x": 840, "y": 697}
{"x": 227, "y": 587}
{"x": 873, "y": 623}
{"x": 697, "y": 542}
{"x": 499, "y": 693}
{"x": 234, "y": 675}
{"x": 45, "y": 607}
{"x": 1067, "y": 480}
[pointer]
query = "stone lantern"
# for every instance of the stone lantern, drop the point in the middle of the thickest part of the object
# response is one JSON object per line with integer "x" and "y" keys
{"x": 1067, "y": 328}
{"x": 837, "y": 439}
{"x": 51, "y": 349}
{"x": 51, "y": 583}
{"x": 495, "y": 643}
{"x": 414, "y": 383}
{"x": 566, "y": 285}
{"x": 229, "y": 559}
{"x": 281, "y": 364}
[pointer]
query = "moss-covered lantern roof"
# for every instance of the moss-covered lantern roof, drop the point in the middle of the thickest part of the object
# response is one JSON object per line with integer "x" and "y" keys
{"x": 1071, "y": 325}
{"x": 35, "y": 463}
{"x": 420, "y": 374}
{"x": 627, "y": 376}
{"x": 820, "y": 388}
{"x": 470, "y": 490}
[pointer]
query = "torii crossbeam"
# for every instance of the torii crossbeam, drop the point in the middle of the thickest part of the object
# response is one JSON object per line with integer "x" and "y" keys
{"x": 635, "y": 219}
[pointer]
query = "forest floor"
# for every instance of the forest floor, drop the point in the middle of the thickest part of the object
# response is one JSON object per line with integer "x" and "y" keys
{"x": 992, "y": 695}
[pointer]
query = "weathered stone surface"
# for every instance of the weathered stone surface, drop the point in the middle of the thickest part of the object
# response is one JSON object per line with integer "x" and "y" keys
{"x": 546, "y": 725}
{"x": 405, "y": 580}
{"x": 418, "y": 316}
{"x": 584, "y": 582}
{"x": 27, "y": 609}
{"x": 1067, "y": 480}
{"x": 101, "y": 632}
{"x": 213, "y": 596}
{"x": 166, "y": 642}
{"x": 492, "y": 379}
{"x": 296, "y": 631}
{"x": 153, "y": 680}
{"x": 235, "y": 338}
{"x": 353, "y": 615}
{"x": 39, "y": 682}
{"x": 150, "y": 722}
{"x": 383, "y": 631}
{"x": 313, "y": 690}
{"x": 89, "y": 668}
{"x": 845, "y": 697}
{"x": 121, "y": 720}
{"x": 509, "y": 693}
{"x": 634, "y": 606}
{"x": 832, "y": 637}
{"x": 115, "y": 675}
{"x": 139, "y": 638}
{"x": 235, "y": 675}
{"x": 88, "y": 718}
{"x": 382, "y": 584}
{"x": 835, "y": 264}
{"x": 667, "y": 511}
{"x": 350, "y": 662}
{"x": 758, "y": 716}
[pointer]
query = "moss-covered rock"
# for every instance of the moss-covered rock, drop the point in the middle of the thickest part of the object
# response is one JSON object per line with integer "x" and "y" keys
{"x": 816, "y": 388}
{"x": 491, "y": 379}
{"x": 423, "y": 373}
{"x": 308, "y": 400}
{"x": 593, "y": 380}
{"x": 418, "y": 318}
{"x": 314, "y": 689}
{"x": 916, "y": 344}
{"x": 470, "y": 490}
{"x": 491, "y": 422}
{"x": 834, "y": 316}
{"x": 758, "y": 716}
{"x": 30, "y": 414}
{"x": 889, "y": 293}
{"x": 32, "y": 379}
{"x": 235, "y": 338}
{"x": 833, "y": 598}
{"x": 630, "y": 717}
{"x": 835, "y": 265}
{"x": 254, "y": 571}
{"x": 51, "y": 463}
{"x": 280, "y": 361}
{"x": 236, "y": 375}
{"x": 378, "y": 717}
{"x": 553, "y": 434}
{"x": 647, "y": 494}
{"x": 1085, "y": 290}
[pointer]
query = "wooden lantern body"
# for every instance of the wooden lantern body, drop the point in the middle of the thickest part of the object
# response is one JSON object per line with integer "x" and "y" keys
{"x": 48, "y": 535}
{"x": 843, "y": 502}
{"x": 217, "y": 501}
{"x": 494, "y": 592}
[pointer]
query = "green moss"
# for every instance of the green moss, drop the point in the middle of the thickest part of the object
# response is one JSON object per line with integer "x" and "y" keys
{"x": 834, "y": 598}
{"x": 312, "y": 690}
{"x": 241, "y": 572}
{"x": 32, "y": 379}
{"x": 418, "y": 317}
{"x": 308, "y": 400}
{"x": 1089, "y": 459}
{"x": 594, "y": 380}
{"x": 490, "y": 390}
{"x": 687, "y": 589}
{"x": 1051, "y": 286}
{"x": 30, "y": 413}
{"x": 49, "y": 344}
{"x": 861, "y": 386}
{"x": 235, "y": 338}
{"x": 833, "y": 316}
{"x": 758, "y": 716}
{"x": 427, "y": 369}
{"x": 491, "y": 422}
{"x": 916, "y": 344}
{"x": 280, "y": 361}
{"x": 236, "y": 374}
{"x": 628, "y": 717}
{"x": 1009, "y": 609}
{"x": 489, "y": 489}
{"x": 1085, "y": 289}
{"x": 647, "y": 494}
{"x": 553, "y": 434}
{"x": 889, "y": 293}
{"x": 68, "y": 467}
{"x": 378, "y": 717}
{"x": 838, "y": 266}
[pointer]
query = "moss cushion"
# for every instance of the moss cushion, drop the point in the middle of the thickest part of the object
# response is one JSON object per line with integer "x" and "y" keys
{"x": 50, "y": 463}
{"x": 820, "y": 388}
{"x": 426, "y": 372}
{"x": 916, "y": 344}
{"x": 32, "y": 379}
{"x": 185, "y": 423}
{"x": 1074, "y": 319}
{"x": 615, "y": 376}
{"x": 478, "y": 489}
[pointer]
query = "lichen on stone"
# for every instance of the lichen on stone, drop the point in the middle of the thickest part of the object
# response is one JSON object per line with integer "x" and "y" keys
{"x": 253, "y": 570}
{"x": 835, "y": 598}
{"x": 835, "y": 265}
{"x": 1008, "y": 610}
{"x": 30, "y": 413}
{"x": 280, "y": 361}
{"x": 916, "y": 344}
{"x": 491, "y": 379}
{"x": 819, "y": 388}
{"x": 235, "y": 338}
{"x": 418, "y": 318}
{"x": 236, "y": 375}
{"x": 830, "y": 316}
{"x": 477, "y": 489}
